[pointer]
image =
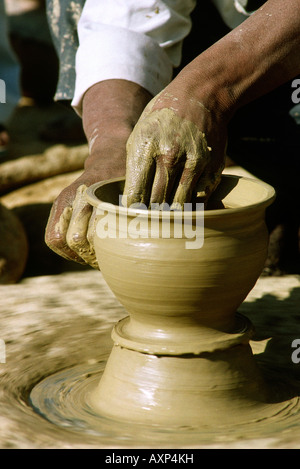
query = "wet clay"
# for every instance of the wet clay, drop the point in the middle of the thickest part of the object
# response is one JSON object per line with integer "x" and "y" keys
{"x": 182, "y": 356}
{"x": 156, "y": 146}
{"x": 181, "y": 367}
{"x": 57, "y": 334}
{"x": 75, "y": 222}
{"x": 13, "y": 247}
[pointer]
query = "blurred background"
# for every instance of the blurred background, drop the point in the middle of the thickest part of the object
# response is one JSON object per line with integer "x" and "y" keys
{"x": 42, "y": 144}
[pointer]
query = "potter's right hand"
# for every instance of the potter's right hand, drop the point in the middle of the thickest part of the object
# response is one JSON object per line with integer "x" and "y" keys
{"x": 176, "y": 149}
{"x": 110, "y": 111}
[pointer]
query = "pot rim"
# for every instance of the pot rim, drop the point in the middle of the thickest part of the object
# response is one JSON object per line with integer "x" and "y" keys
{"x": 94, "y": 200}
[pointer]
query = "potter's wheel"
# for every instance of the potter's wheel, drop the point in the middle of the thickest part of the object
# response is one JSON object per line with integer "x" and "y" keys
{"x": 63, "y": 399}
{"x": 57, "y": 344}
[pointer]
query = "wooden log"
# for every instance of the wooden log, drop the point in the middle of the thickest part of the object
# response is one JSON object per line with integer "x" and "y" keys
{"x": 41, "y": 192}
{"x": 58, "y": 159}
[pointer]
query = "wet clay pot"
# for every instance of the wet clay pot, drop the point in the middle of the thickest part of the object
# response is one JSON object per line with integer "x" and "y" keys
{"x": 182, "y": 354}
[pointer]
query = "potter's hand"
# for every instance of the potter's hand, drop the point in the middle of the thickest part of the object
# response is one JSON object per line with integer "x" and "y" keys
{"x": 174, "y": 150}
{"x": 69, "y": 231}
{"x": 168, "y": 148}
{"x": 110, "y": 110}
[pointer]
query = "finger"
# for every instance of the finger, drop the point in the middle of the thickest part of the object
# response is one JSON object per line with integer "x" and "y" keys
{"x": 78, "y": 227}
{"x": 141, "y": 153}
{"x": 57, "y": 226}
{"x": 193, "y": 169}
{"x": 91, "y": 232}
{"x": 207, "y": 184}
{"x": 166, "y": 175}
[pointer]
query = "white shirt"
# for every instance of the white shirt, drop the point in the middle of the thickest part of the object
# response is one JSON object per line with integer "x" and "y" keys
{"x": 135, "y": 40}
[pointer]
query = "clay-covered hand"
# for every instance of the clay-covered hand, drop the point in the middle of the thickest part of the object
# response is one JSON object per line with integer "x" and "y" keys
{"x": 110, "y": 111}
{"x": 176, "y": 149}
{"x": 69, "y": 229}
{"x": 180, "y": 139}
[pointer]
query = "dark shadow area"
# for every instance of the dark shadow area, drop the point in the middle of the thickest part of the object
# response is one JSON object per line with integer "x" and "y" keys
{"x": 32, "y": 43}
{"x": 279, "y": 321}
{"x": 224, "y": 188}
{"x": 41, "y": 259}
{"x": 34, "y": 129}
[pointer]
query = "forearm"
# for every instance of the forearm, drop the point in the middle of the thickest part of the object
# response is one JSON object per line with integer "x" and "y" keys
{"x": 111, "y": 108}
{"x": 255, "y": 58}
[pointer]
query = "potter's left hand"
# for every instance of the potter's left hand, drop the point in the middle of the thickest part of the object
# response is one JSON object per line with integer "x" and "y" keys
{"x": 110, "y": 110}
{"x": 176, "y": 148}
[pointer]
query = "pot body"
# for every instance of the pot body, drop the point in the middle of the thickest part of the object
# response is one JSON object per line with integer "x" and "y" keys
{"x": 181, "y": 358}
{"x": 175, "y": 289}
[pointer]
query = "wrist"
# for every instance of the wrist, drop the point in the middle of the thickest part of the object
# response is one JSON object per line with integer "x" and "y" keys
{"x": 113, "y": 105}
{"x": 208, "y": 80}
{"x": 110, "y": 111}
